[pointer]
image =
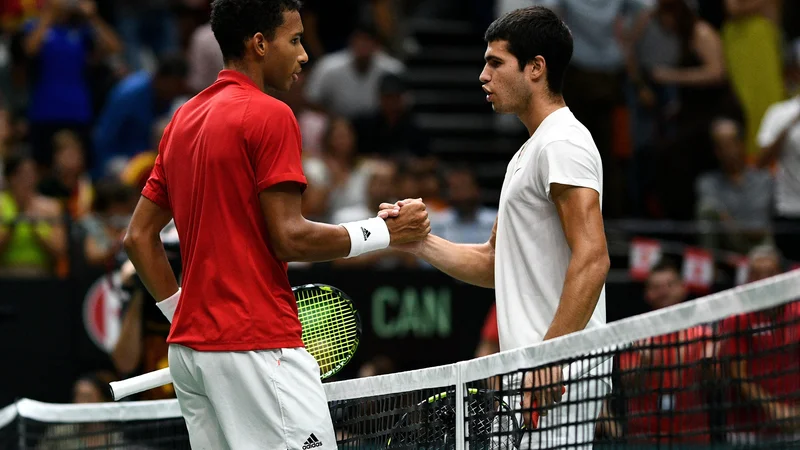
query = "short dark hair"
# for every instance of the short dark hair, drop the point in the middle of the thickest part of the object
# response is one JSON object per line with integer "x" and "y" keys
{"x": 666, "y": 265}
{"x": 235, "y": 21}
{"x": 109, "y": 192}
{"x": 536, "y": 31}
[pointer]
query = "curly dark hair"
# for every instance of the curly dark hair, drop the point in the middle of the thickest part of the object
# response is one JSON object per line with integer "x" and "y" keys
{"x": 235, "y": 21}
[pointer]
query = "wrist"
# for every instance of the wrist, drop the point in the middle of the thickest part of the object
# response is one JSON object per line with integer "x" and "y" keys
{"x": 169, "y": 305}
{"x": 367, "y": 236}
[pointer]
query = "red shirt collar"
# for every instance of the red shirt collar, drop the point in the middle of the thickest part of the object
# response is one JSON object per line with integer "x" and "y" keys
{"x": 236, "y": 77}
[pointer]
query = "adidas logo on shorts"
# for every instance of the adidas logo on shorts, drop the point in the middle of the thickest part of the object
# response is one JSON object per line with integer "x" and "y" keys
{"x": 312, "y": 442}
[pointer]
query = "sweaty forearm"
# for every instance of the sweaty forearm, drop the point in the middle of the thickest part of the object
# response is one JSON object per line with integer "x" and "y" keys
{"x": 150, "y": 260}
{"x": 470, "y": 263}
{"x": 582, "y": 287}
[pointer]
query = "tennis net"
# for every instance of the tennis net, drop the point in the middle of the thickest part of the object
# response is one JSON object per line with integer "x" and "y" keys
{"x": 722, "y": 371}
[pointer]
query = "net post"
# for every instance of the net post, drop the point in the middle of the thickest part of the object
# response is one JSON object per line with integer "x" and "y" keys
{"x": 20, "y": 430}
{"x": 460, "y": 438}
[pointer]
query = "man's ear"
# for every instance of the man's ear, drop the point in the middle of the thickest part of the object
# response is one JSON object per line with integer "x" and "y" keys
{"x": 259, "y": 43}
{"x": 537, "y": 68}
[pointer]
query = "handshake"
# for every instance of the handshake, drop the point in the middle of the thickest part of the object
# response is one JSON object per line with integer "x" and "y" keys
{"x": 407, "y": 221}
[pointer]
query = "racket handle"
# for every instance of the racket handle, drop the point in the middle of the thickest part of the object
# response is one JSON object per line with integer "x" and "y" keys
{"x": 151, "y": 380}
{"x": 535, "y": 414}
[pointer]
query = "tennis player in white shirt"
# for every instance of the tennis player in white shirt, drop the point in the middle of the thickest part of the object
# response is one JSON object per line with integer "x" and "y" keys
{"x": 547, "y": 257}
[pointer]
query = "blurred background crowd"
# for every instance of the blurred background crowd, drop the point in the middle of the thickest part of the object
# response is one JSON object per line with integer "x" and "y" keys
{"x": 692, "y": 103}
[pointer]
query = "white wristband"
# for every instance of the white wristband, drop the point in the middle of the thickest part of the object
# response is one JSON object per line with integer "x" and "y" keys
{"x": 169, "y": 304}
{"x": 367, "y": 236}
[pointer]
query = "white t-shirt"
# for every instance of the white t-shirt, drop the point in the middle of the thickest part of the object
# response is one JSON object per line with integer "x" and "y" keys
{"x": 531, "y": 251}
{"x": 787, "y": 180}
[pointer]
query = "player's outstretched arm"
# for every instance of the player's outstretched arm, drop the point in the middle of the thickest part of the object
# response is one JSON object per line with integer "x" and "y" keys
{"x": 470, "y": 263}
{"x": 294, "y": 238}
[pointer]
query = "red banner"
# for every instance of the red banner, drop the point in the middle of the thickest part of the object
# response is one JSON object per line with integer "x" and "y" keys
{"x": 644, "y": 254}
{"x": 698, "y": 270}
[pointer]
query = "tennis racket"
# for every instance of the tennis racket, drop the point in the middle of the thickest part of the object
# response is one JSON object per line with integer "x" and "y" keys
{"x": 432, "y": 422}
{"x": 331, "y": 333}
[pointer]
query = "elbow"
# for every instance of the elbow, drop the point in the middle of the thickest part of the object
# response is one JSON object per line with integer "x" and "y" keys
{"x": 289, "y": 246}
{"x": 134, "y": 240}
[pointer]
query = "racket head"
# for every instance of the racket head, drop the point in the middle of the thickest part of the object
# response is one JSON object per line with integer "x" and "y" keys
{"x": 331, "y": 325}
{"x": 431, "y": 423}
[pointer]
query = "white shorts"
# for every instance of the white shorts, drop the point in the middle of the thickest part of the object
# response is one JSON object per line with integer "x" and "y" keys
{"x": 568, "y": 424}
{"x": 269, "y": 399}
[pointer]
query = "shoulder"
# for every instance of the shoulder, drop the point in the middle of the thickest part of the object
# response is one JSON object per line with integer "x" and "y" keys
{"x": 703, "y": 31}
{"x": 264, "y": 109}
{"x": 388, "y": 62}
{"x": 332, "y": 61}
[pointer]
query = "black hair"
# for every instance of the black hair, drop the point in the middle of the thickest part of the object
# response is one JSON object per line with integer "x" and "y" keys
{"x": 173, "y": 65}
{"x": 110, "y": 192}
{"x": 666, "y": 265}
{"x": 235, "y": 21}
{"x": 536, "y": 31}
{"x": 12, "y": 164}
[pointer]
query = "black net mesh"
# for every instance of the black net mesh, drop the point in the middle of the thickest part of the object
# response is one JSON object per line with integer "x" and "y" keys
{"x": 133, "y": 435}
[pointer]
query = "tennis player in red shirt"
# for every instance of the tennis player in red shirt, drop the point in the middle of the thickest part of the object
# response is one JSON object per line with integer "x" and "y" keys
{"x": 229, "y": 172}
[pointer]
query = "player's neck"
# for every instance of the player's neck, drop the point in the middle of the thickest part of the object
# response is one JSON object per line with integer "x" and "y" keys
{"x": 251, "y": 70}
{"x": 538, "y": 109}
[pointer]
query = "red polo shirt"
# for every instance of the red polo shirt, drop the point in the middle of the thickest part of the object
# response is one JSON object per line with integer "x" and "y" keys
{"x": 221, "y": 149}
{"x": 769, "y": 346}
{"x": 672, "y": 407}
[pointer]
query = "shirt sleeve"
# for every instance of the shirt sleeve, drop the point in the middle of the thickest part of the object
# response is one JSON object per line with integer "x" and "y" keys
{"x": 772, "y": 125}
{"x": 274, "y": 146}
{"x": 563, "y": 162}
{"x": 155, "y": 189}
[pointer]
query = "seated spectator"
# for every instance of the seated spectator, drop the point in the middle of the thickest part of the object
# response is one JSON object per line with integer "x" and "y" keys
{"x": 391, "y": 130}
{"x": 380, "y": 188}
{"x": 125, "y": 126}
{"x": 105, "y": 226}
{"x": 736, "y": 197}
{"x": 204, "y": 57}
{"x": 33, "y": 239}
{"x": 345, "y": 83}
{"x": 69, "y": 183}
{"x": 761, "y": 362}
{"x": 465, "y": 221}
{"x": 662, "y": 376}
{"x": 89, "y": 388}
{"x": 337, "y": 179}
{"x": 779, "y": 139}
{"x": 60, "y": 44}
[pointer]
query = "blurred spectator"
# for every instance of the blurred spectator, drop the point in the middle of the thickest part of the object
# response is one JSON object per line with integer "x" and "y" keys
{"x": 105, "y": 227}
{"x": 32, "y": 234}
{"x": 89, "y": 388}
{"x": 125, "y": 127}
{"x": 378, "y": 365}
{"x": 137, "y": 170}
{"x": 328, "y": 25}
{"x": 593, "y": 82}
{"x": 380, "y": 188}
{"x": 465, "y": 220}
{"x": 69, "y": 183}
{"x": 60, "y": 44}
{"x": 337, "y": 179}
{"x": 703, "y": 95}
{"x": 661, "y": 376}
{"x": 6, "y": 140}
{"x": 313, "y": 123}
{"x": 736, "y": 197}
{"x": 779, "y": 138}
{"x": 762, "y": 362}
{"x": 345, "y": 83}
{"x": 664, "y": 286}
{"x": 204, "y": 58}
{"x": 146, "y": 25}
{"x": 490, "y": 337}
{"x": 391, "y": 130}
{"x": 752, "y": 40}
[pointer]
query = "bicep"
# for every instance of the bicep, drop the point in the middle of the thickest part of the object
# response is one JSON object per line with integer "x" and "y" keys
{"x": 581, "y": 218}
{"x": 709, "y": 48}
{"x": 282, "y": 206}
{"x": 149, "y": 218}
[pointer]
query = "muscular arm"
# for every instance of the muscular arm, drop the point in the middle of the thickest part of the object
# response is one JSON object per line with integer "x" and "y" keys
{"x": 146, "y": 251}
{"x": 582, "y": 222}
{"x": 470, "y": 263}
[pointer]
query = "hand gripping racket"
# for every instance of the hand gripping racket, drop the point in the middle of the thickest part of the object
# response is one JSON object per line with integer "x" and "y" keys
{"x": 331, "y": 333}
